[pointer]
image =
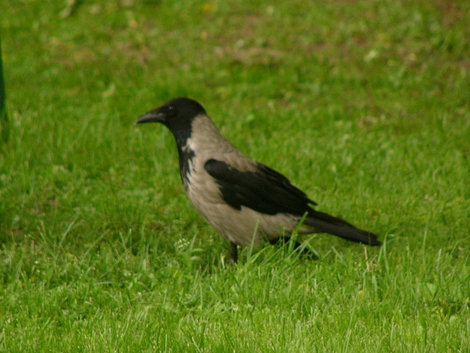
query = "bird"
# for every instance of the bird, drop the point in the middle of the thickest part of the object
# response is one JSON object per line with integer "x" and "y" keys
{"x": 246, "y": 201}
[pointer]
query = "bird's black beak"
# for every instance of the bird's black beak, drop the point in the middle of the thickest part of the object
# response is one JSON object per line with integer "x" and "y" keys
{"x": 153, "y": 116}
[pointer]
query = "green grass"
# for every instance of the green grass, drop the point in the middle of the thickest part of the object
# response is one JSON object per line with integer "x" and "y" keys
{"x": 365, "y": 105}
{"x": 3, "y": 111}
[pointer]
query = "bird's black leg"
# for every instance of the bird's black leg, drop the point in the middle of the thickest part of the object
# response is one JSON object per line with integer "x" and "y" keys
{"x": 280, "y": 240}
{"x": 233, "y": 253}
{"x": 305, "y": 251}
{"x": 297, "y": 245}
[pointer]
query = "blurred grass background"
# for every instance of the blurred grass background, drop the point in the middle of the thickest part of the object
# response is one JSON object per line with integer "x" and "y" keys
{"x": 364, "y": 105}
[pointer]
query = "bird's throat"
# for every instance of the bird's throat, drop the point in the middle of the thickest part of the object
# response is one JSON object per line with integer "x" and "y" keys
{"x": 185, "y": 155}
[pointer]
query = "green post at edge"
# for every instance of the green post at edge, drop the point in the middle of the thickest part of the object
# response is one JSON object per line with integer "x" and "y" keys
{"x": 4, "y": 127}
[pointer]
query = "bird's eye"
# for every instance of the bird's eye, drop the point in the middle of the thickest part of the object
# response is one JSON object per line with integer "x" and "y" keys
{"x": 170, "y": 111}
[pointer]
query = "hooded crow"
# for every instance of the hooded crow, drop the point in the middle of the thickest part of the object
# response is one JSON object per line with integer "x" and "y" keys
{"x": 246, "y": 201}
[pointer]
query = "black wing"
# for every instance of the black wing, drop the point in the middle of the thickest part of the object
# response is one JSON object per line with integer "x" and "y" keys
{"x": 266, "y": 191}
{"x": 263, "y": 190}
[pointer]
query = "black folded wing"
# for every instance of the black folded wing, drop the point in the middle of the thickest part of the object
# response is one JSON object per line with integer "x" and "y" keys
{"x": 263, "y": 189}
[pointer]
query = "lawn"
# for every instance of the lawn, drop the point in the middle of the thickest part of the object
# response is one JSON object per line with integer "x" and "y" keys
{"x": 364, "y": 105}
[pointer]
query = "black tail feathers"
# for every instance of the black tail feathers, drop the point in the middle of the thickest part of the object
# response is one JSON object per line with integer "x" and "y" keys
{"x": 336, "y": 226}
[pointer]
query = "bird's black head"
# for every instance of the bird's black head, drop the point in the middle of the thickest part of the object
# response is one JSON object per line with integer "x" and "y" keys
{"x": 176, "y": 114}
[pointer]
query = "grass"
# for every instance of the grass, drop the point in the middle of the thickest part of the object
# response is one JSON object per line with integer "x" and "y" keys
{"x": 3, "y": 111}
{"x": 362, "y": 104}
